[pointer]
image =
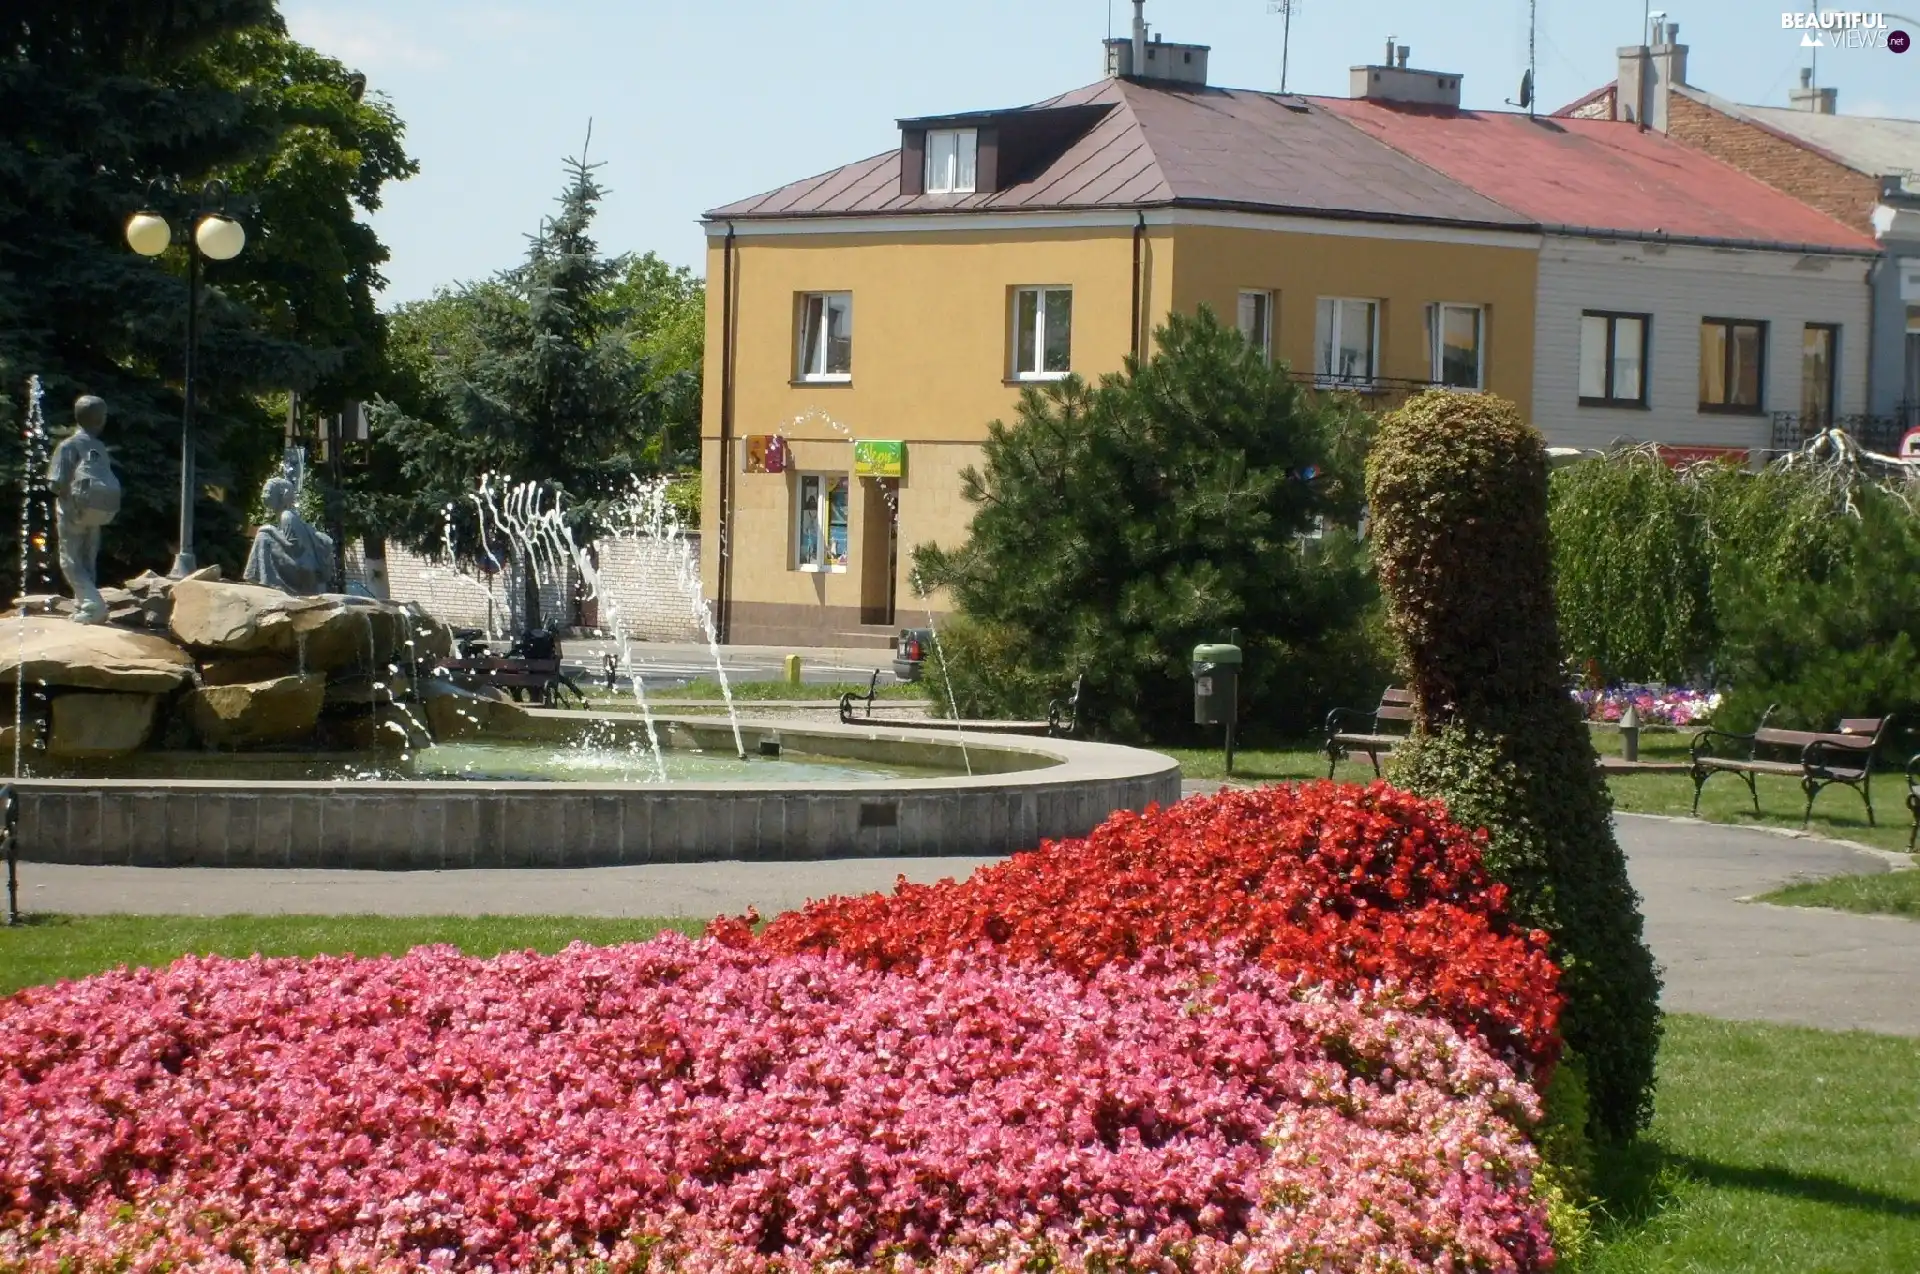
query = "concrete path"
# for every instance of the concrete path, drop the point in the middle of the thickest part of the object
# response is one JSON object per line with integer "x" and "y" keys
{"x": 1720, "y": 956}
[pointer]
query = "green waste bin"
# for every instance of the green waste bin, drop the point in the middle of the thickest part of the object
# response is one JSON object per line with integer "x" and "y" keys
{"x": 1216, "y": 684}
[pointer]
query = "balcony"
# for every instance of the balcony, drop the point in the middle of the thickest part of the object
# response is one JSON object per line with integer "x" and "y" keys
{"x": 1792, "y": 429}
{"x": 1377, "y": 393}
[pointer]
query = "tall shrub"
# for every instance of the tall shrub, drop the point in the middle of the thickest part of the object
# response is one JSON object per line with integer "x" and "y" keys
{"x": 1632, "y": 562}
{"x": 1458, "y": 489}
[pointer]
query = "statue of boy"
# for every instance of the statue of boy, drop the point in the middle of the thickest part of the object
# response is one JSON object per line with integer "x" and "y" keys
{"x": 288, "y": 554}
{"x": 86, "y": 498}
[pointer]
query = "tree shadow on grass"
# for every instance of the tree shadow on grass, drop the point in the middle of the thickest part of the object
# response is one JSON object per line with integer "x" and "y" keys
{"x": 1634, "y": 1183}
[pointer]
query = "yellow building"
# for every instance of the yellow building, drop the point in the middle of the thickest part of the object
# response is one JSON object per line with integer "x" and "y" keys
{"x": 865, "y": 326}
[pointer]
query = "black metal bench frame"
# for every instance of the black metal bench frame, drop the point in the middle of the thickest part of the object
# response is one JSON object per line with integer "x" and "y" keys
{"x": 1913, "y": 799}
{"x": 1069, "y": 713}
{"x": 848, "y": 699}
{"x": 545, "y": 678}
{"x": 1396, "y": 704}
{"x": 1817, "y": 764}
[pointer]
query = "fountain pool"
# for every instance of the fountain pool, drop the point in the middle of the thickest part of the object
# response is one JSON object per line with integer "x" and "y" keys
{"x": 541, "y": 799}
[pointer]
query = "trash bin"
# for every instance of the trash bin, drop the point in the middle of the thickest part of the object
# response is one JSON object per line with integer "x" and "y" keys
{"x": 1216, "y": 684}
{"x": 910, "y": 651}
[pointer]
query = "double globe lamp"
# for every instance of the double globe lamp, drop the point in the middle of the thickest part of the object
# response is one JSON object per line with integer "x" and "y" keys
{"x": 217, "y": 237}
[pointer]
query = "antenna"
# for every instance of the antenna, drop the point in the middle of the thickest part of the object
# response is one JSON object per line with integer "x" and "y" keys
{"x": 1526, "y": 81}
{"x": 1285, "y": 9}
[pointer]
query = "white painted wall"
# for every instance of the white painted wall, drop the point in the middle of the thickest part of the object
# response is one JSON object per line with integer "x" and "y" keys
{"x": 1679, "y": 285}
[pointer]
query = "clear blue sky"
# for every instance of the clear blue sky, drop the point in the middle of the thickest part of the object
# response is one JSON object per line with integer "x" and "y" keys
{"x": 700, "y": 102}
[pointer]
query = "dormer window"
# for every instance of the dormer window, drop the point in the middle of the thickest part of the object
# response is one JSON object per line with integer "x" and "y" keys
{"x": 951, "y": 160}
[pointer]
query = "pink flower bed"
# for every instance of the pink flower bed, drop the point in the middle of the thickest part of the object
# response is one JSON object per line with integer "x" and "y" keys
{"x": 687, "y": 1105}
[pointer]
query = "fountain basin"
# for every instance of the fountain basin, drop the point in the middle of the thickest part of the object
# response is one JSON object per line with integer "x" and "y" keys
{"x": 1020, "y": 793}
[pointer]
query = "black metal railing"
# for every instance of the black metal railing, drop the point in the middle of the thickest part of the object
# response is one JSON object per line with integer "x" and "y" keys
{"x": 1792, "y": 429}
{"x": 1380, "y": 392}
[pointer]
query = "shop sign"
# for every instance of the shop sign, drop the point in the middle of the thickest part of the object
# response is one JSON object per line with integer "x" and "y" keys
{"x": 875, "y": 459}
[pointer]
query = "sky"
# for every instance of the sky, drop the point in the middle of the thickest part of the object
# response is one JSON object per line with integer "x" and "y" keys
{"x": 697, "y": 103}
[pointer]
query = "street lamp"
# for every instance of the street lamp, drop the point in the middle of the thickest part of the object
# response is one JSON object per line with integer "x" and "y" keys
{"x": 217, "y": 237}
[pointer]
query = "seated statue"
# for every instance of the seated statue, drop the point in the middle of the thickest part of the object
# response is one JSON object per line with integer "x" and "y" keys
{"x": 288, "y": 554}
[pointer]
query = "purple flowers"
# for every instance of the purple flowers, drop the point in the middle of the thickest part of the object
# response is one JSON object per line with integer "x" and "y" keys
{"x": 1658, "y": 705}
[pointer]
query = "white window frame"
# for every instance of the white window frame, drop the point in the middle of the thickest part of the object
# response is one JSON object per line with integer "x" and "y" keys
{"x": 822, "y": 508}
{"x": 1265, "y": 299}
{"x": 811, "y": 363}
{"x": 961, "y": 161}
{"x": 1326, "y": 378}
{"x": 1436, "y": 339}
{"x": 1040, "y": 292}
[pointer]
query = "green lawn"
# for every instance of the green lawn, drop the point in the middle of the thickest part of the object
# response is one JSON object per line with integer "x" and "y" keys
{"x": 48, "y": 948}
{"x": 1892, "y": 893}
{"x": 1774, "y": 1148}
{"x": 1838, "y": 813}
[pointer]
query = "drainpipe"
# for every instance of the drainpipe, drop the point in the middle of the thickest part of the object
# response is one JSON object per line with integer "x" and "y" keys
{"x": 1139, "y": 236}
{"x": 724, "y": 576}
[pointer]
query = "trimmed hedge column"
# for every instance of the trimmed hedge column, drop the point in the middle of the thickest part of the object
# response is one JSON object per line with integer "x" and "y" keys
{"x": 1457, "y": 486}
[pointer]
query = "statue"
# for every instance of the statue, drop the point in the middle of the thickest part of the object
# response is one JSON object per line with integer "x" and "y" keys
{"x": 86, "y": 498}
{"x": 287, "y": 553}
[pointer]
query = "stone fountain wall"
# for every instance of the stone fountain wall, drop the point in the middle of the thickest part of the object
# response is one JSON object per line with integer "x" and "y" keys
{"x": 207, "y": 664}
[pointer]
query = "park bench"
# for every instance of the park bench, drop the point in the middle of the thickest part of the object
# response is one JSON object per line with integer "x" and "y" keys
{"x": 530, "y": 669}
{"x": 1377, "y": 738}
{"x": 1817, "y": 759}
{"x": 1913, "y": 799}
{"x": 1062, "y": 718}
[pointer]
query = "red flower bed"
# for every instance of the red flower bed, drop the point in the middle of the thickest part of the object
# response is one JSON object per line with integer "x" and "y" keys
{"x": 1346, "y": 884}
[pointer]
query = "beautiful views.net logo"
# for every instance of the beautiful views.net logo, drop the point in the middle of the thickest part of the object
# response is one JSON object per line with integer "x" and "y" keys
{"x": 1838, "y": 30}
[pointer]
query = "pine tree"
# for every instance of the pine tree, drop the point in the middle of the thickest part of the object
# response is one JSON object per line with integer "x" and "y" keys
{"x": 545, "y": 386}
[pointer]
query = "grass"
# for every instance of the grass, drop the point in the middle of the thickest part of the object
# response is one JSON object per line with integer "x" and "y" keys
{"x": 49, "y": 948}
{"x": 1894, "y": 893}
{"x": 1774, "y": 1150}
{"x": 1838, "y": 814}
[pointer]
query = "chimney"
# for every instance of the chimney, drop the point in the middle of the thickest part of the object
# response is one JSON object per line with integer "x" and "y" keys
{"x": 1395, "y": 81}
{"x": 1821, "y": 101}
{"x": 1667, "y": 67}
{"x": 1139, "y": 38}
{"x": 1141, "y": 58}
{"x": 1630, "y": 85}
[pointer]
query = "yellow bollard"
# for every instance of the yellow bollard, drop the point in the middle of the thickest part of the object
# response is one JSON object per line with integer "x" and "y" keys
{"x": 793, "y": 670}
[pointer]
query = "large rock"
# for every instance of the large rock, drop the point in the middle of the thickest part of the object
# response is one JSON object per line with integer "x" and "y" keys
{"x": 262, "y": 712}
{"x": 101, "y": 725}
{"x": 320, "y": 634}
{"x": 59, "y": 652}
{"x": 238, "y": 670}
{"x": 457, "y": 713}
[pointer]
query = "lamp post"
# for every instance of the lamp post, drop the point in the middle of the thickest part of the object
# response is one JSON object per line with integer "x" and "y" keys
{"x": 218, "y": 237}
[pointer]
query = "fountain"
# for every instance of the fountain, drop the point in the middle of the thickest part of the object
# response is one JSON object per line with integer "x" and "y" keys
{"x": 217, "y": 723}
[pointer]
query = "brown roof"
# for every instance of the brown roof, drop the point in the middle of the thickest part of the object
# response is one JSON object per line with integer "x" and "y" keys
{"x": 1159, "y": 145}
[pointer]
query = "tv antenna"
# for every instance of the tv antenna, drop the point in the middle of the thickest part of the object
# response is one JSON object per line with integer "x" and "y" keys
{"x": 1285, "y": 9}
{"x": 1526, "y": 81}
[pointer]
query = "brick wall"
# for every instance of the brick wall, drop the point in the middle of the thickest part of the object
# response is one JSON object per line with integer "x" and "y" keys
{"x": 654, "y": 584}
{"x": 1807, "y": 175}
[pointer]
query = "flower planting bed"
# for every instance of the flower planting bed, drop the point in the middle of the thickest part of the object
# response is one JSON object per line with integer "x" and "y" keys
{"x": 1283, "y": 1063}
{"x": 1656, "y": 705}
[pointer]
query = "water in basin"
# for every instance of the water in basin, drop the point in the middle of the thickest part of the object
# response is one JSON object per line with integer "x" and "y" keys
{"x": 496, "y": 761}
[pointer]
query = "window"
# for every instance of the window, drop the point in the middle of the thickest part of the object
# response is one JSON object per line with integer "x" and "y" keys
{"x": 1042, "y": 333}
{"x": 1819, "y": 354}
{"x": 1346, "y": 343}
{"x": 1613, "y": 359}
{"x": 1456, "y": 334}
{"x": 820, "y": 522}
{"x": 1733, "y": 364}
{"x": 951, "y": 155}
{"x": 826, "y": 336}
{"x": 1256, "y": 321}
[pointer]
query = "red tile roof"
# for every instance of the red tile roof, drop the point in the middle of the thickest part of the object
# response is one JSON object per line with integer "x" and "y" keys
{"x": 1160, "y": 145}
{"x": 1597, "y": 174}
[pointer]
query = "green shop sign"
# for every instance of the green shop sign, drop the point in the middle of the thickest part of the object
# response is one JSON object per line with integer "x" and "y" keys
{"x": 873, "y": 459}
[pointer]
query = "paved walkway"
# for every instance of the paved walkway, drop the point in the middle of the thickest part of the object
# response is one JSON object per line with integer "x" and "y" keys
{"x": 1721, "y": 956}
